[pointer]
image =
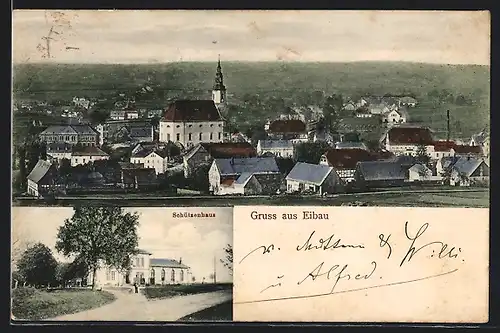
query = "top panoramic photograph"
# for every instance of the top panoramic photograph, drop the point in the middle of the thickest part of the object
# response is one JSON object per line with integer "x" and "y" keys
{"x": 223, "y": 108}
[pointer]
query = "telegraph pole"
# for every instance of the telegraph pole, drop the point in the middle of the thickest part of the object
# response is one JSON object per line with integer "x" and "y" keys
{"x": 447, "y": 125}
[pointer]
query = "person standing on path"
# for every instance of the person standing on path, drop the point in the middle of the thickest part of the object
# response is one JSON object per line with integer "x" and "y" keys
{"x": 136, "y": 288}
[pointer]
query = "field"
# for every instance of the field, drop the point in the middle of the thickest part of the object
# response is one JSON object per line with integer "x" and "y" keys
{"x": 261, "y": 82}
{"x": 33, "y": 304}
{"x": 220, "y": 312}
{"x": 408, "y": 196}
{"x": 182, "y": 290}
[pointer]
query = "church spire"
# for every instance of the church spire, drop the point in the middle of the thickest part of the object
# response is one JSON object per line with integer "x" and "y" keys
{"x": 219, "y": 90}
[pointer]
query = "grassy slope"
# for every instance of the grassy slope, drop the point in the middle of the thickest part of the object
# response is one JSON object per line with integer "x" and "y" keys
{"x": 181, "y": 290}
{"x": 32, "y": 304}
{"x": 220, "y": 312}
{"x": 287, "y": 80}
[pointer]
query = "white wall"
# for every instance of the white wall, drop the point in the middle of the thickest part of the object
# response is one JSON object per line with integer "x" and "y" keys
{"x": 189, "y": 132}
{"x": 76, "y": 160}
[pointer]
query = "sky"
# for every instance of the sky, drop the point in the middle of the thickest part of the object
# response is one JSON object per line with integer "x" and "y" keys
{"x": 447, "y": 37}
{"x": 196, "y": 241}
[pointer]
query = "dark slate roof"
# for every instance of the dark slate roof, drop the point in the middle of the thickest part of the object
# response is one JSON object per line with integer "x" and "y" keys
{"x": 84, "y": 129}
{"x": 139, "y": 132}
{"x": 59, "y": 129}
{"x": 147, "y": 151}
{"x": 410, "y": 135}
{"x": 467, "y": 165}
{"x": 237, "y": 166}
{"x": 170, "y": 263}
{"x": 244, "y": 178}
{"x": 88, "y": 151}
{"x": 39, "y": 171}
{"x": 382, "y": 170}
{"x": 229, "y": 149}
{"x": 275, "y": 144}
{"x": 347, "y": 158}
{"x": 287, "y": 126}
{"x": 309, "y": 173}
{"x": 192, "y": 110}
{"x": 402, "y": 159}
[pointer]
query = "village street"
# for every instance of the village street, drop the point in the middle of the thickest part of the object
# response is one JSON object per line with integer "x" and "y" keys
{"x": 129, "y": 306}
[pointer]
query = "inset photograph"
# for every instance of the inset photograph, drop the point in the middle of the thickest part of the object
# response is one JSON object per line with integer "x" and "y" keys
{"x": 121, "y": 264}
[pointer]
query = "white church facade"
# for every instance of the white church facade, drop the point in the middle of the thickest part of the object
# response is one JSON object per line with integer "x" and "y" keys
{"x": 144, "y": 270}
{"x": 189, "y": 122}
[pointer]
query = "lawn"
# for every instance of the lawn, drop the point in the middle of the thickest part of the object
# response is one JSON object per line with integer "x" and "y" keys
{"x": 182, "y": 290}
{"x": 34, "y": 304}
{"x": 220, "y": 312}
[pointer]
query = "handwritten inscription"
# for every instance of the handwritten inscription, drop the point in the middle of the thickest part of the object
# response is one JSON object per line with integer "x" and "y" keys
{"x": 363, "y": 269}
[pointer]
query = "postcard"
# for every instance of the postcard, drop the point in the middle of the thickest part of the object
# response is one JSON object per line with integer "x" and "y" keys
{"x": 361, "y": 264}
{"x": 121, "y": 264}
{"x": 222, "y": 108}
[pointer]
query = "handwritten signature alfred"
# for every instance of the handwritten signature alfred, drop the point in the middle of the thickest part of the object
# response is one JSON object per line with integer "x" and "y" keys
{"x": 436, "y": 250}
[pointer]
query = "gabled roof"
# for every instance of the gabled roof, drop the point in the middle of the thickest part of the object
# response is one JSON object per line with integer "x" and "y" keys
{"x": 410, "y": 135}
{"x": 148, "y": 151}
{"x": 192, "y": 110}
{"x": 88, "y": 151}
{"x": 69, "y": 129}
{"x": 287, "y": 126}
{"x": 139, "y": 132}
{"x": 464, "y": 149}
{"x": 243, "y": 178}
{"x": 347, "y": 158}
{"x": 39, "y": 171}
{"x": 237, "y": 166}
{"x": 229, "y": 149}
{"x": 350, "y": 145}
{"x": 169, "y": 263}
{"x": 275, "y": 144}
{"x": 381, "y": 170}
{"x": 467, "y": 165}
{"x": 309, "y": 173}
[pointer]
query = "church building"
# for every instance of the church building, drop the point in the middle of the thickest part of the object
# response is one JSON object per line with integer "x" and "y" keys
{"x": 189, "y": 122}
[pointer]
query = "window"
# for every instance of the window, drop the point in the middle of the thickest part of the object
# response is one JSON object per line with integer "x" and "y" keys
{"x": 189, "y": 136}
{"x": 220, "y": 125}
{"x": 178, "y": 126}
{"x": 211, "y": 135}
{"x": 113, "y": 275}
{"x": 220, "y": 135}
{"x": 201, "y": 125}
{"x": 182, "y": 275}
{"x": 168, "y": 137}
{"x": 163, "y": 274}
{"x": 142, "y": 262}
{"x": 199, "y": 136}
{"x": 178, "y": 137}
{"x": 211, "y": 125}
{"x": 190, "y": 126}
{"x": 168, "y": 126}
{"x": 172, "y": 276}
{"x": 137, "y": 262}
{"x": 108, "y": 274}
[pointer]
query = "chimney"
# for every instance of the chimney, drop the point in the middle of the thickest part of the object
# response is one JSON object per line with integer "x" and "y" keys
{"x": 180, "y": 260}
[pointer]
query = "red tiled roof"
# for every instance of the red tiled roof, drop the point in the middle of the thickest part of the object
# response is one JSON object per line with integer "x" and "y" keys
{"x": 464, "y": 149}
{"x": 347, "y": 158}
{"x": 227, "y": 182}
{"x": 410, "y": 135}
{"x": 443, "y": 145}
{"x": 192, "y": 110}
{"x": 230, "y": 149}
{"x": 287, "y": 126}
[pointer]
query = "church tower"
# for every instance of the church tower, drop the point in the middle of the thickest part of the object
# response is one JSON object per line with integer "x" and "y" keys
{"x": 219, "y": 90}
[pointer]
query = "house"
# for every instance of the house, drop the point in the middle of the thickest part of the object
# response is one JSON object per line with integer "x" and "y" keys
{"x": 59, "y": 150}
{"x": 441, "y": 149}
{"x": 373, "y": 174}
{"x": 84, "y": 135}
{"x": 152, "y": 158}
{"x": 344, "y": 161}
{"x": 407, "y": 101}
{"x": 398, "y": 116}
{"x": 119, "y": 130}
{"x": 467, "y": 171}
{"x": 444, "y": 165}
{"x": 190, "y": 122}
{"x": 43, "y": 179}
{"x": 205, "y": 153}
{"x": 351, "y": 145}
{"x": 278, "y": 148}
{"x": 421, "y": 173}
{"x": 407, "y": 140}
{"x": 465, "y": 150}
{"x": 288, "y": 129}
{"x": 225, "y": 172}
{"x": 123, "y": 114}
{"x": 141, "y": 134}
{"x": 144, "y": 270}
{"x": 482, "y": 140}
{"x": 86, "y": 154}
{"x": 314, "y": 178}
{"x": 138, "y": 178}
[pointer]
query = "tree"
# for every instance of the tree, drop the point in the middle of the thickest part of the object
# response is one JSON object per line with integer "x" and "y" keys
{"x": 35, "y": 151}
{"x": 228, "y": 260}
{"x": 37, "y": 265}
{"x": 98, "y": 116}
{"x": 65, "y": 167}
{"x": 331, "y": 112}
{"x": 200, "y": 178}
{"x": 310, "y": 152}
{"x": 99, "y": 236}
{"x": 421, "y": 155}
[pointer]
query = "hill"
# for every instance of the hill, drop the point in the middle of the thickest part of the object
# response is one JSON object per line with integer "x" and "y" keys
{"x": 292, "y": 82}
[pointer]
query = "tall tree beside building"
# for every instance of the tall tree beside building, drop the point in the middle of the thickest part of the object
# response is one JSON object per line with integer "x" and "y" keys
{"x": 99, "y": 236}
{"x": 227, "y": 261}
{"x": 331, "y": 112}
{"x": 310, "y": 152}
{"x": 421, "y": 155}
